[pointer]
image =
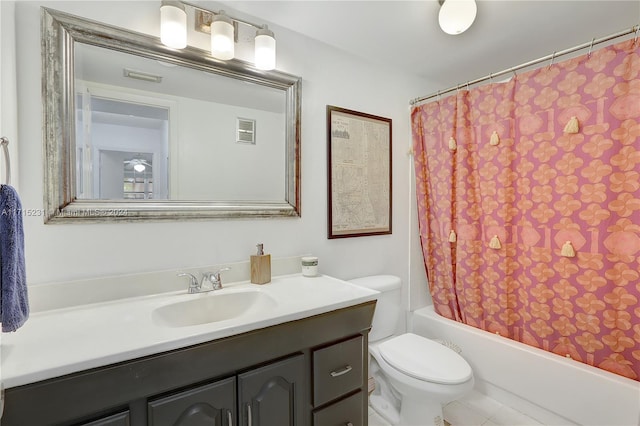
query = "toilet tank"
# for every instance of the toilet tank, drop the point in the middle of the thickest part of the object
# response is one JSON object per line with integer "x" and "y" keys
{"x": 388, "y": 307}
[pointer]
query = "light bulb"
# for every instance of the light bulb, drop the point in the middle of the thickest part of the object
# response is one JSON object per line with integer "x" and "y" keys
{"x": 173, "y": 24}
{"x": 139, "y": 167}
{"x": 265, "y": 49}
{"x": 456, "y": 16}
{"x": 222, "y": 43}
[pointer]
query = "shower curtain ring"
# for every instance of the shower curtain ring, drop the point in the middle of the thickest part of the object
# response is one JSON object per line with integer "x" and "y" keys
{"x": 635, "y": 39}
{"x": 491, "y": 78}
{"x": 468, "y": 86}
{"x": 590, "y": 47}
{"x": 552, "y": 58}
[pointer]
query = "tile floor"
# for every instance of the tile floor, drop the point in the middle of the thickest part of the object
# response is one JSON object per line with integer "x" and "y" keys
{"x": 474, "y": 409}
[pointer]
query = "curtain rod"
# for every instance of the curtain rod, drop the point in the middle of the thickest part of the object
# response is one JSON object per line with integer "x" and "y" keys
{"x": 551, "y": 57}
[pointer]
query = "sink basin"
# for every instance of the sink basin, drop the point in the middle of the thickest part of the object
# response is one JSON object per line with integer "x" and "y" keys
{"x": 212, "y": 307}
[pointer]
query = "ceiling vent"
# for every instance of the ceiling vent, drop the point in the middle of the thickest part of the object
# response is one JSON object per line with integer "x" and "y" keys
{"x": 246, "y": 130}
{"x": 141, "y": 75}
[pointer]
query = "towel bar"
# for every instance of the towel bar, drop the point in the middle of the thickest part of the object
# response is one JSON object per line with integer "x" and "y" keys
{"x": 7, "y": 161}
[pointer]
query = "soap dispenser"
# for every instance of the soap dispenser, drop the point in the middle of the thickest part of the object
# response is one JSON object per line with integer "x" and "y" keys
{"x": 260, "y": 266}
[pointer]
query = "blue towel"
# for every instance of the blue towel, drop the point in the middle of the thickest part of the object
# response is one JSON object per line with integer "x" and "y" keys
{"x": 14, "y": 302}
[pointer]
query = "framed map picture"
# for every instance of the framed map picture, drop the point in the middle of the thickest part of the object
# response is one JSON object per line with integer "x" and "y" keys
{"x": 358, "y": 173}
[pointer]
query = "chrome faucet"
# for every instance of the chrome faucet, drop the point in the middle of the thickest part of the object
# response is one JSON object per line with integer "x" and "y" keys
{"x": 214, "y": 278}
{"x": 199, "y": 287}
{"x": 194, "y": 285}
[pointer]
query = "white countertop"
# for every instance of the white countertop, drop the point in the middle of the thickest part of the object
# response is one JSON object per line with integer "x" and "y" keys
{"x": 61, "y": 341}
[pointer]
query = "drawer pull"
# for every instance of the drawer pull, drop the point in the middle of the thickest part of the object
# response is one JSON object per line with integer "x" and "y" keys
{"x": 349, "y": 424}
{"x": 229, "y": 418}
{"x": 249, "y": 420}
{"x": 338, "y": 373}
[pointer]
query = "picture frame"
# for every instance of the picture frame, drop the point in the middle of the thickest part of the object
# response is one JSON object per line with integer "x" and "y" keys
{"x": 359, "y": 190}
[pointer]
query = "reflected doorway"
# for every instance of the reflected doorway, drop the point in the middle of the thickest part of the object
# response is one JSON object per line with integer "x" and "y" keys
{"x": 123, "y": 147}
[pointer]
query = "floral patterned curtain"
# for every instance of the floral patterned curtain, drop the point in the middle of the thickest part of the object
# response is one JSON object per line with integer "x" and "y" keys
{"x": 529, "y": 205}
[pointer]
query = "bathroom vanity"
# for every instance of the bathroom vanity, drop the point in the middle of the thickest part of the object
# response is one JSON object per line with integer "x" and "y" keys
{"x": 301, "y": 361}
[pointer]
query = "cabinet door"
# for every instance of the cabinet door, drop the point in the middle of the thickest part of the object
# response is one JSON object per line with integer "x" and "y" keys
{"x": 120, "y": 419}
{"x": 273, "y": 394}
{"x": 209, "y": 405}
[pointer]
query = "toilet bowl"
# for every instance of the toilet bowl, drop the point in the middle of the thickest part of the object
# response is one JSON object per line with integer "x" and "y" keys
{"x": 414, "y": 376}
{"x": 425, "y": 374}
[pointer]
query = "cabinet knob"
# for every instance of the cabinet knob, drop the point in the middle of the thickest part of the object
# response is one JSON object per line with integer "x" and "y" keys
{"x": 338, "y": 373}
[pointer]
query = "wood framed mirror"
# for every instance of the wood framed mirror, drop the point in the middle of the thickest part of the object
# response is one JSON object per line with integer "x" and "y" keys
{"x": 134, "y": 130}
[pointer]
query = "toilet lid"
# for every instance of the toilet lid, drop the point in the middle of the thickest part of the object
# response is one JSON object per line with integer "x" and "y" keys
{"x": 425, "y": 359}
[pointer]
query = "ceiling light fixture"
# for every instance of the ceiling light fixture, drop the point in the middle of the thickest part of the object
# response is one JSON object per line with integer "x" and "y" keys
{"x": 138, "y": 164}
{"x": 456, "y": 16}
{"x": 173, "y": 29}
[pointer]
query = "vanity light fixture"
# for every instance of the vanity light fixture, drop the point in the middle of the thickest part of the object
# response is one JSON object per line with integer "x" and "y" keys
{"x": 456, "y": 16}
{"x": 173, "y": 28}
{"x": 265, "y": 51}
{"x": 222, "y": 37}
{"x": 173, "y": 24}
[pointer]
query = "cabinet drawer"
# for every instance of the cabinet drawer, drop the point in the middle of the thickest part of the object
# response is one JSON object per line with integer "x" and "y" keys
{"x": 337, "y": 370}
{"x": 349, "y": 411}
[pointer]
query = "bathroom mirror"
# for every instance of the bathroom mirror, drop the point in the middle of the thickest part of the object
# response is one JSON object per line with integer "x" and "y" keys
{"x": 134, "y": 130}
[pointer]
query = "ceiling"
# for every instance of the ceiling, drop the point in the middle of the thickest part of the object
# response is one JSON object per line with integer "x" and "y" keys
{"x": 405, "y": 34}
{"x": 98, "y": 66}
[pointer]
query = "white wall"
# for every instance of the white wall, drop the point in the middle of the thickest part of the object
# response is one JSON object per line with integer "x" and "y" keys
{"x": 212, "y": 166}
{"x": 205, "y": 161}
{"x": 419, "y": 295}
{"x": 65, "y": 252}
{"x": 8, "y": 115}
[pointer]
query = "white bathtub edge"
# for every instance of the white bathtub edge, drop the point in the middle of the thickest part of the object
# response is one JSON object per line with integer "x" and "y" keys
{"x": 549, "y": 388}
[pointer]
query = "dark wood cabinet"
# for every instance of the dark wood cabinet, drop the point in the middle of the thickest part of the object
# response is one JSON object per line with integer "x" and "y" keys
{"x": 291, "y": 374}
{"x": 269, "y": 395}
{"x": 273, "y": 394}
{"x": 346, "y": 412}
{"x": 119, "y": 419}
{"x": 213, "y": 404}
{"x": 339, "y": 371}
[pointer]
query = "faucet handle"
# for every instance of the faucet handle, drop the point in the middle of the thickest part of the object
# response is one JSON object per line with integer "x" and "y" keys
{"x": 193, "y": 281}
{"x": 217, "y": 280}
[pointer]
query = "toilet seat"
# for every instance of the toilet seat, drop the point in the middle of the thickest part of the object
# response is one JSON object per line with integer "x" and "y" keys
{"x": 425, "y": 359}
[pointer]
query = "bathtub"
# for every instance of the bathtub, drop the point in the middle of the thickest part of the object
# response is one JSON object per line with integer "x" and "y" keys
{"x": 547, "y": 387}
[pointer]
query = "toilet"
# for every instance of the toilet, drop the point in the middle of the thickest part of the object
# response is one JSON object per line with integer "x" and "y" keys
{"x": 414, "y": 376}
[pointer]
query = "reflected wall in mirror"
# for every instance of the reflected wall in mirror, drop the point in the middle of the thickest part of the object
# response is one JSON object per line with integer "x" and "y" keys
{"x": 135, "y": 130}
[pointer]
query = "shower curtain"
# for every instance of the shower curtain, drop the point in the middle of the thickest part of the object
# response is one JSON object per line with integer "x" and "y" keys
{"x": 528, "y": 198}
